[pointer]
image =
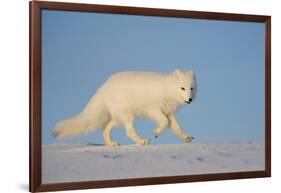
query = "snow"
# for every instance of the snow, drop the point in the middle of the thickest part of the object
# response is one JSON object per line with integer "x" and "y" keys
{"x": 88, "y": 162}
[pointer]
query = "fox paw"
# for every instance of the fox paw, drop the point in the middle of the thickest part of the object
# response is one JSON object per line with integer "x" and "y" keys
{"x": 113, "y": 143}
{"x": 143, "y": 142}
{"x": 156, "y": 135}
{"x": 186, "y": 138}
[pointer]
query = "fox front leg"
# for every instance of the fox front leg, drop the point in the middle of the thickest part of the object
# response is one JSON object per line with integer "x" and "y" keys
{"x": 161, "y": 127}
{"x": 177, "y": 129}
{"x": 160, "y": 119}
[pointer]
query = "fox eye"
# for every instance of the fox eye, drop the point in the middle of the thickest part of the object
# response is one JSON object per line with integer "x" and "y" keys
{"x": 182, "y": 88}
{"x": 191, "y": 88}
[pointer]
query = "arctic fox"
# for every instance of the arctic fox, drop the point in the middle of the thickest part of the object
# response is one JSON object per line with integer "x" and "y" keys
{"x": 128, "y": 95}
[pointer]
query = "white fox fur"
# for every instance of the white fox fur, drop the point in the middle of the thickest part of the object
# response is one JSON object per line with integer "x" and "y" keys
{"x": 127, "y": 95}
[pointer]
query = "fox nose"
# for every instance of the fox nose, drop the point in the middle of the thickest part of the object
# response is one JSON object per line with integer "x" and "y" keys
{"x": 190, "y": 99}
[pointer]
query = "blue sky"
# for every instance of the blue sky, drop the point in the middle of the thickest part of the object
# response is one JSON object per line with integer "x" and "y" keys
{"x": 81, "y": 50}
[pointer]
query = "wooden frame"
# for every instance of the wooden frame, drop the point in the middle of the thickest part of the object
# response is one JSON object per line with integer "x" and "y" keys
{"x": 35, "y": 95}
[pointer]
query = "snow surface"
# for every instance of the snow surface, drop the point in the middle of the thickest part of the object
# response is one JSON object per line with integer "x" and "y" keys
{"x": 88, "y": 162}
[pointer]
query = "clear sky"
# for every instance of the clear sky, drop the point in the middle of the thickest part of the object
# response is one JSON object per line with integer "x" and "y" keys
{"x": 81, "y": 50}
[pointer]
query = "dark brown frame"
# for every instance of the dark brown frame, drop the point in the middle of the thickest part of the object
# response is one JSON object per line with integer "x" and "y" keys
{"x": 35, "y": 8}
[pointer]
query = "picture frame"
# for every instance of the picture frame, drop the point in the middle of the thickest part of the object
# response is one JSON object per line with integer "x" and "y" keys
{"x": 35, "y": 146}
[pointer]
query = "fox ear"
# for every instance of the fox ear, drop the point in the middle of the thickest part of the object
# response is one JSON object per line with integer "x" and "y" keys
{"x": 176, "y": 74}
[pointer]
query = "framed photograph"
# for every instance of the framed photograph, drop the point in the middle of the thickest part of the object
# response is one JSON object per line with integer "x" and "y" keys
{"x": 123, "y": 96}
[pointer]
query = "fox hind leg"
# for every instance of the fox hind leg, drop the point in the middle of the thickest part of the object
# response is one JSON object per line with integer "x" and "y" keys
{"x": 106, "y": 134}
{"x": 127, "y": 121}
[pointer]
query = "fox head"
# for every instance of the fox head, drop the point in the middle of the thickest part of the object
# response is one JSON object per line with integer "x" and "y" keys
{"x": 184, "y": 85}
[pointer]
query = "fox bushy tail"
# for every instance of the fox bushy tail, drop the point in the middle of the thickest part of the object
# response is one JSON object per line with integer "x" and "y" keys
{"x": 94, "y": 116}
